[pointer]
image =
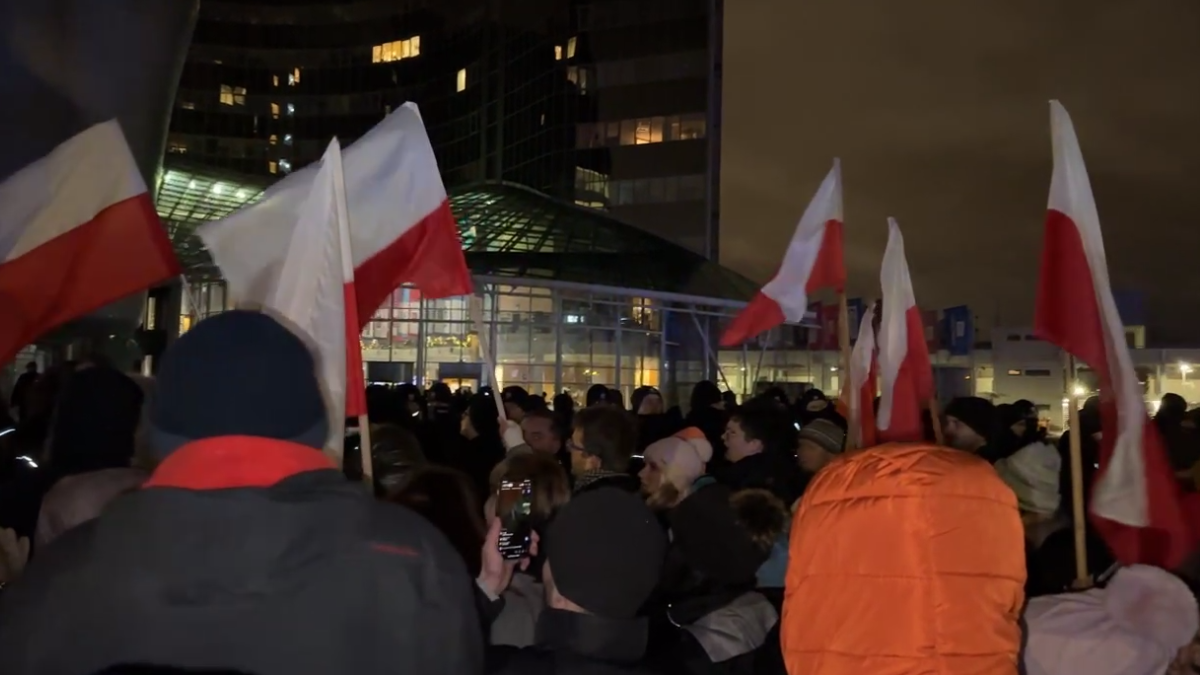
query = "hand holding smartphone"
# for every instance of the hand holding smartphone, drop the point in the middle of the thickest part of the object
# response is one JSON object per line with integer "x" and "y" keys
{"x": 514, "y": 505}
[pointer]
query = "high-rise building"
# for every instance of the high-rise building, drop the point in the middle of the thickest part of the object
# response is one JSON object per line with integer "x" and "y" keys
{"x": 611, "y": 104}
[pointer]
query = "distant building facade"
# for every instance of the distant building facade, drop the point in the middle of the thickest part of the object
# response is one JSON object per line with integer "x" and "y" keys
{"x": 611, "y": 104}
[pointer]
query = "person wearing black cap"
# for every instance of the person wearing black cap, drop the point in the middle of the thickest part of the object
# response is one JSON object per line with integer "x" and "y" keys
{"x": 970, "y": 423}
{"x": 246, "y": 549}
{"x": 516, "y": 402}
{"x": 603, "y": 556}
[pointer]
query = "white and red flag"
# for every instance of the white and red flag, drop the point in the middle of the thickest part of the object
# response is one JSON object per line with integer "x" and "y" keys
{"x": 78, "y": 231}
{"x": 1135, "y": 502}
{"x": 315, "y": 294}
{"x": 813, "y": 261}
{"x": 862, "y": 384}
{"x": 401, "y": 227}
{"x": 906, "y": 376}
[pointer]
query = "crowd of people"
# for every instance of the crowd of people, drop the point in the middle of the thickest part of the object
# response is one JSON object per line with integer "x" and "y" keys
{"x": 195, "y": 521}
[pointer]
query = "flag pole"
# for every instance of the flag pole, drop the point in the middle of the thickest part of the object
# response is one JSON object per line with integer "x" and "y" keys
{"x": 475, "y": 306}
{"x": 1075, "y": 440}
{"x": 935, "y": 417}
{"x": 844, "y": 334}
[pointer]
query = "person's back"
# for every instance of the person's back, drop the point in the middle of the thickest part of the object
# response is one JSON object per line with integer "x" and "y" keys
{"x": 905, "y": 558}
{"x": 246, "y": 550}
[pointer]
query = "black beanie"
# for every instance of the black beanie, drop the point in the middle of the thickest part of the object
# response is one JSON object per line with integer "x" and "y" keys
{"x": 707, "y": 533}
{"x": 977, "y": 413}
{"x": 95, "y": 421}
{"x": 605, "y": 549}
{"x": 239, "y": 373}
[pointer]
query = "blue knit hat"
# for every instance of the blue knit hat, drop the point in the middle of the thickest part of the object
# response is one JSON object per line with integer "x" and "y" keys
{"x": 240, "y": 373}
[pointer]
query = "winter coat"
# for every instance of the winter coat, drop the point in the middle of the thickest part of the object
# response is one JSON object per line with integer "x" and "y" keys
{"x": 252, "y": 555}
{"x": 905, "y": 558}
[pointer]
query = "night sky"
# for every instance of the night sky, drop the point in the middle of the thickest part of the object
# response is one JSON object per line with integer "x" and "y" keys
{"x": 939, "y": 112}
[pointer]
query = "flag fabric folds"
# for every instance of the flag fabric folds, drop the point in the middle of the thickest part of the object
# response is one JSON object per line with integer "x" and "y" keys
{"x": 813, "y": 261}
{"x": 904, "y": 367}
{"x": 861, "y": 385}
{"x": 78, "y": 231}
{"x": 401, "y": 227}
{"x": 315, "y": 294}
{"x": 1135, "y": 502}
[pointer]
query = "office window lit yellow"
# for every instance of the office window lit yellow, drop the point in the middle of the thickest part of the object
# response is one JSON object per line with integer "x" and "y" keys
{"x": 273, "y": 139}
{"x": 233, "y": 95}
{"x": 274, "y": 80}
{"x": 294, "y": 78}
{"x": 578, "y": 76}
{"x": 394, "y": 51}
{"x": 570, "y": 48}
{"x": 275, "y": 110}
{"x": 558, "y": 52}
{"x": 640, "y": 131}
{"x": 460, "y": 81}
{"x": 272, "y": 167}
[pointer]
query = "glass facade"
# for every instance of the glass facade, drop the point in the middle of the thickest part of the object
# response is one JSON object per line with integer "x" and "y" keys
{"x": 546, "y": 339}
{"x": 510, "y": 90}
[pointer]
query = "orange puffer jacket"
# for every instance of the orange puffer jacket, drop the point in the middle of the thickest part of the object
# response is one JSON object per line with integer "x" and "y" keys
{"x": 905, "y": 559}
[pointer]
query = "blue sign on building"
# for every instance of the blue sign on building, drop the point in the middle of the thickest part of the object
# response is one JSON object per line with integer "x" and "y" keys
{"x": 959, "y": 326}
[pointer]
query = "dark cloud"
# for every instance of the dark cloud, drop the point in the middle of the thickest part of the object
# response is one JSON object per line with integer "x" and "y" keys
{"x": 939, "y": 112}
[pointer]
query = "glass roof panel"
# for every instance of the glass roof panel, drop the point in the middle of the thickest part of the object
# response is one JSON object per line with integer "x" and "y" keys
{"x": 507, "y": 231}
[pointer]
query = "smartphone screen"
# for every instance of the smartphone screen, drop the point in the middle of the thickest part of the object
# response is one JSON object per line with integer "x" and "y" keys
{"x": 514, "y": 502}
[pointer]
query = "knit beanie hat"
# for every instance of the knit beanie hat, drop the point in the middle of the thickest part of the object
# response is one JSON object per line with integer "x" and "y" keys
{"x": 239, "y": 373}
{"x": 977, "y": 413}
{"x": 605, "y": 549}
{"x": 826, "y": 434}
{"x": 1033, "y": 474}
{"x": 683, "y": 456}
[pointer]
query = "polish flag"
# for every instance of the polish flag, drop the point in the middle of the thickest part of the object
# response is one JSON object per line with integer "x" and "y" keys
{"x": 315, "y": 294}
{"x": 401, "y": 227}
{"x": 862, "y": 383}
{"x": 904, "y": 368}
{"x": 78, "y": 231}
{"x": 813, "y": 261}
{"x": 1135, "y": 501}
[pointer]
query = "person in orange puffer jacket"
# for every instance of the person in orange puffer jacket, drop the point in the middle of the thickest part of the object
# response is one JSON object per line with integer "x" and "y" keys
{"x": 905, "y": 558}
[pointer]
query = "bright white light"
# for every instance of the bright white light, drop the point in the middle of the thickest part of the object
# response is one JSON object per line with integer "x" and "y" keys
{"x": 29, "y": 461}
{"x": 217, "y": 188}
{"x": 1185, "y": 368}
{"x": 241, "y": 194}
{"x": 833, "y": 369}
{"x": 1080, "y": 390}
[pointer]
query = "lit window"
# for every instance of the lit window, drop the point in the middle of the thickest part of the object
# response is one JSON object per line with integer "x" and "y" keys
{"x": 460, "y": 81}
{"x": 558, "y": 52}
{"x": 226, "y": 95}
{"x": 272, "y": 167}
{"x": 287, "y": 139}
{"x": 291, "y": 109}
{"x": 177, "y": 148}
{"x": 273, "y": 139}
{"x": 691, "y": 127}
{"x": 648, "y": 130}
{"x": 187, "y": 105}
{"x": 578, "y": 77}
{"x": 275, "y": 110}
{"x": 285, "y": 166}
{"x": 274, "y": 80}
{"x": 1013, "y": 373}
{"x": 295, "y": 78}
{"x": 392, "y": 51}
{"x": 570, "y": 48}
{"x": 238, "y": 96}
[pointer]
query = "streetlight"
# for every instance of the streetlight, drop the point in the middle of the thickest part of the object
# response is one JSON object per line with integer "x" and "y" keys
{"x": 1080, "y": 391}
